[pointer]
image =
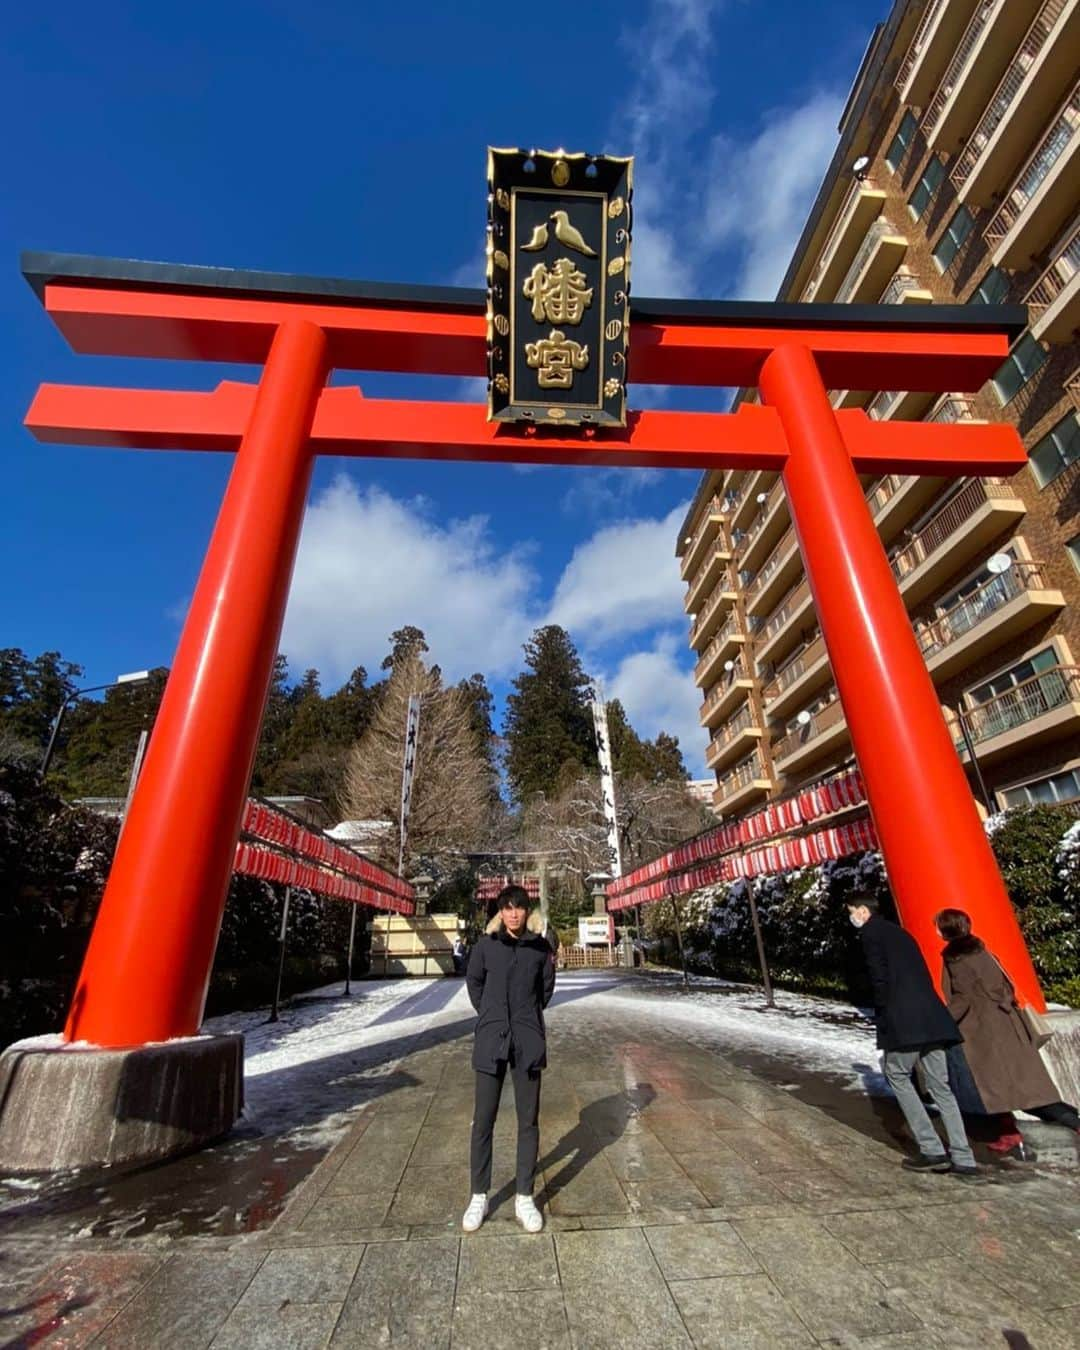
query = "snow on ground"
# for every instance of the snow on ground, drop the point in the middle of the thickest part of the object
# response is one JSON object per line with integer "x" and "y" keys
{"x": 308, "y": 1074}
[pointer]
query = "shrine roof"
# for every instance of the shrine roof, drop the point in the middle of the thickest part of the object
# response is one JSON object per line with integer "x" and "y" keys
{"x": 42, "y": 269}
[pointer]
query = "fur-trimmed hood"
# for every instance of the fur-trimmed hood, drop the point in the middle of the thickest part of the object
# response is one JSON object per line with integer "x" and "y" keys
{"x": 534, "y": 924}
{"x": 962, "y": 946}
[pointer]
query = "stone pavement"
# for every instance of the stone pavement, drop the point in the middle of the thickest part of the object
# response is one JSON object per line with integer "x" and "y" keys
{"x": 689, "y": 1201}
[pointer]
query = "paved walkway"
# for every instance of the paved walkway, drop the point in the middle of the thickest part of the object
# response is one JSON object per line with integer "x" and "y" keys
{"x": 689, "y": 1201}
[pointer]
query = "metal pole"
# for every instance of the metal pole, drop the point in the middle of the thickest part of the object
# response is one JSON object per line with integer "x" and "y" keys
{"x": 52, "y": 737}
{"x": 769, "y": 1001}
{"x": 678, "y": 938}
{"x": 969, "y": 745}
{"x": 140, "y": 751}
{"x": 352, "y": 938}
{"x": 281, "y": 954}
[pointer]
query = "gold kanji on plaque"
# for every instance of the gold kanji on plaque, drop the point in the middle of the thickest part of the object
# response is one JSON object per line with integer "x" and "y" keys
{"x": 556, "y": 357}
{"x": 559, "y": 295}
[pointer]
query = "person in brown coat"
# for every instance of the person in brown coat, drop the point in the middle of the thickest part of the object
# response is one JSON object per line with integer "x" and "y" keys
{"x": 1004, "y": 1060}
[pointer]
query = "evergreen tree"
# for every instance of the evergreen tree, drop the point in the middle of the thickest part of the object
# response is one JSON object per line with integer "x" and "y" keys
{"x": 277, "y": 718}
{"x": 103, "y": 735}
{"x": 405, "y": 643}
{"x": 31, "y": 692}
{"x": 548, "y": 725}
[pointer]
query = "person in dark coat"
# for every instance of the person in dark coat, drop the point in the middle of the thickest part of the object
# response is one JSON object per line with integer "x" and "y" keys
{"x": 510, "y": 979}
{"x": 914, "y": 1028}
{"x": 1004, "y": 1060}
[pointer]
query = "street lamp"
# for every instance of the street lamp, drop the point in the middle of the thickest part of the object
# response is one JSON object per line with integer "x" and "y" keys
{"x": 133, "y": 677}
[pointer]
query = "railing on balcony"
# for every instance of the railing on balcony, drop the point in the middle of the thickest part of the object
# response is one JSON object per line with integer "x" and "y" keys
{"x": 726, "y": 733}
{"x": 968, "y": 613}
{"x": 843, "y": 216}
{"x": 715, "y": 507}
{"x": 882, "y": 406}
{"x": 743, "y": 773}
{"x": 772, "y": 562}
{"x": 879, "y": 230}
{"x": 795, "y": 668}
{"x": 714, "y": 601}
{"x": 781, "y": 615}
{"x": 884, "y": 490}
{"x": 998, "y": 107}
{"x": 829, "y": 716}
{"x": 961, "y": 56}
{"x": 903, "y": 283}
{"x": 718, "y": 642}
{"x": 738, "y": 671}
{"x": 1024, "y": 703}
{"x": 914, "y": 51}
{"x": 1056, "y": 277}
{"x": 947, "y": 521}
{"x": 1049, "y": 150}
{"x": 764, "y": 511}
{"x": 719, "y": 550}
{"x": 952, "y": 408}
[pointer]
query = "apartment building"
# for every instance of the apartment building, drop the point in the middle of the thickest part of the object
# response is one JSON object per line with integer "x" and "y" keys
{"x": 956, "y": 180}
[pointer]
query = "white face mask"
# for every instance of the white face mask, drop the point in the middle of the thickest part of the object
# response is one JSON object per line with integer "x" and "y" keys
{"x": 856, "y": 921}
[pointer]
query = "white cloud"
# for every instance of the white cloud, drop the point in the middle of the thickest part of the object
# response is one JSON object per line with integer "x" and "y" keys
{"x": 659, "y": 695}
{"x": 369, "y": 563}
{"x": 624, "y": 579}
{"x": 609, "y": 492}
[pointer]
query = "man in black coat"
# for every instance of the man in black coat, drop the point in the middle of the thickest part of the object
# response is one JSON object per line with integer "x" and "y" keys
{"x": 913, "y": 1028}
{"x": 510, "y": 979}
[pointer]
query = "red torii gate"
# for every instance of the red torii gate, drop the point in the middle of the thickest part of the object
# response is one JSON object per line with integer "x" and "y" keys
{"x": 149, "y": 958}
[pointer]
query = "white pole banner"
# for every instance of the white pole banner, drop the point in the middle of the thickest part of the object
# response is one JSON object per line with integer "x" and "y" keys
{"x": 607, "y": 784}
{"x": 412, "y": 732}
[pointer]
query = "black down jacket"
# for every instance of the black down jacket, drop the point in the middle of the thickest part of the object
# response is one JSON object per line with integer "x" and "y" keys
{"x": 510, "y": 982}
{"x": 909, "y": 1013}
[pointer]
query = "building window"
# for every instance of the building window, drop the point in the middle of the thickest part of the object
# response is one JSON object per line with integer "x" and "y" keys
{"x": 1072, "y": 546}
{"x": 1018, "y": 367}
{"x": 894, "y": 156}
{"x": 957, "y": 230}
{"x": 927, "y": 185}
{"x": 1056, "y": 787}
{"x": 992, "y": 290}
{"x": 1042, "y": 661}
{"x": 1057, "y": 449}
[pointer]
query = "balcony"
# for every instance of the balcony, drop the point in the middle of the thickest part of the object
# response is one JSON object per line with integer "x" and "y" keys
{"x": 905, "y": 289}
{"x": 737, "y": 735}
{"x": 734, "y": 687}
{"x": 980, "y": 58}
{"x": 899, "y": 405}
{"x": 1054, "y": 301}
{"x": 770, "y": 523}
{"x": 860, "y": 208}
{"x": 930, "y": 49}
{"x": 706, "y": 532}
{"x": 747, "y": 782}
{"x": 743, "y": 512}
{"x": 726, "y": 644}
{"x": 879, "y": 255}
{"x": 825, "y": 734}
{"x": 783, "y": 627}
{"x": 1039, "y": 201}
{"x": 1042, "y": 708}
{"x": 1042, "y": 69}
{"x": 710, "y": 574}
{"x": 978, "y": 514}
{"x": 709, "y": 617}
{"x": 777, "y": 573}
{"x": 803, "y": 676}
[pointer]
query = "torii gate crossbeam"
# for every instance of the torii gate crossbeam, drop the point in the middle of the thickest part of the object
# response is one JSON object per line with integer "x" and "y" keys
{"x": 150, "y": 955}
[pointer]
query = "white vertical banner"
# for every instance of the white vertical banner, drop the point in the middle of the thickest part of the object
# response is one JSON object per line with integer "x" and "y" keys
{"x": 412, "y": 733}
{"x": 607, "y": 783}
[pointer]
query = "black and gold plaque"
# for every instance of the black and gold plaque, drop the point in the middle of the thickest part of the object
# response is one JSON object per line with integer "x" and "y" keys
{"x": 558, "y": 272}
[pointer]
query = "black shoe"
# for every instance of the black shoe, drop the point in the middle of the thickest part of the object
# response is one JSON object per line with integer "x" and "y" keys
{"x": 963, "y": 1173}
{"x": 923, "y": 1163}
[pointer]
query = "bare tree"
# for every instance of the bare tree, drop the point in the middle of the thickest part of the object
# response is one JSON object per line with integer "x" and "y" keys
{"x": 451, "y": 790}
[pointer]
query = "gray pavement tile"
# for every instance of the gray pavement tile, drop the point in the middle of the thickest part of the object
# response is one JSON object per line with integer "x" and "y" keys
{"x": 1062, "y": 1330}
{"x": 55, "y": 1322}
{"x": 343, "y": 1213}
{"x": 430, "y": 1195}
{"x": 438, "y": 1146}
{"x": 287, "y": 1326}
{"x": 360, "y": 1237}
{"x": 606, "y": 1316}
{"x": 763, "y": 1149}
{"x": 304, "y": 1275}
{"x": 500, "y": 1263}
{"x": 729, "y": 1180}
{"x": 739, "y": 1312}
{"x": 824, "y": 1192}
{"x": 596, "y": 1257}
{"x": 882, "y": 1235}
{"x": 698, "y": 1251}
{"x": 402, "y": 1295}
{"x": 673, "y": 1193}
{"x": 796, "y": 1247}
{"x": 845, "y": 1304}
{"x": 184, "y": 1303}
{"x": 110, "y": 1278}
{"x": 368, "y": 1171}
{"x": 641, "y": 1158}
{"x": 538, "y": 1322}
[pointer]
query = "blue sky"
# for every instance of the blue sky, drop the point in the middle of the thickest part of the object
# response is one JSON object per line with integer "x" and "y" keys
{"x": 348, "y": 139}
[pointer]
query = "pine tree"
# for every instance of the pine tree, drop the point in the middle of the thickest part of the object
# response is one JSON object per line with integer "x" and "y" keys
{"x": 31, "y": 692}
{"x": 548, "y": 725}
{"x": 103, "y": 735}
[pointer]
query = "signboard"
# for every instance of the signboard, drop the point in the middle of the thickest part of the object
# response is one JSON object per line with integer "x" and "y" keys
{"x": 412, "y": 733}
{"x": 558, "y": 275}
{"x": 607, "y": 783}
{"x": 596, "y": 930}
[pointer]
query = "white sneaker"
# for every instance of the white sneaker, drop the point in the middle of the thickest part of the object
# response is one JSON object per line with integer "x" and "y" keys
{"x": 475, "y": 1215}
{"x": 527, "y": 1214}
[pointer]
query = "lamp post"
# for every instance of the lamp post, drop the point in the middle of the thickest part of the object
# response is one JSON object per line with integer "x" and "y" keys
{"x": 134, "y": 677}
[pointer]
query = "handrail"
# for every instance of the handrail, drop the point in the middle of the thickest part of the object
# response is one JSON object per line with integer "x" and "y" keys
{"x": 1034, "y": 40}
{"x": 744, "y": 772}
{"x": 1024, "y": 702}
{"x": 772, "y": 562}
{"x": 711, "y": 604}
{"x": 952, "y": 408}
{"x": 964, "y": 48}
{"x": 829, "y": 716}
{"x": 1056, "y": 277}
{"x": 1037, "y": 169}
{"x": 947, "y": 521}
{"x": 738, "y": 671}
{"x": 915, "y": 47}
{"x": 880, "y": 229}
{"x": 715, "y": 644}
{"x": 783, "y": 611}
{"x": 847, "y": 210}
{"x": 973, "y": 609}
{"x": 884, "y": 491}
{"x": 719, "y": 550}
{"x": 774, "y": 495}
{"x": 714, "y": 507}
{"x": 727, "y": 731}
{"x": 899, "y": 285}
{"x": 796, "y": 667}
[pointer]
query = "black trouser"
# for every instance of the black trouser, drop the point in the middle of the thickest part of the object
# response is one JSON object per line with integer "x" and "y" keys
{"x": 527, "y": 1104}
